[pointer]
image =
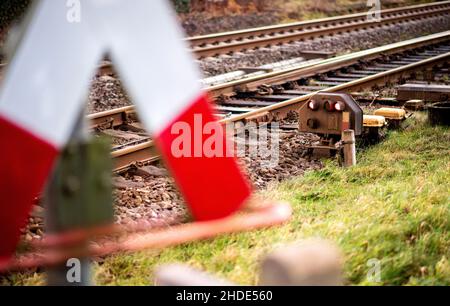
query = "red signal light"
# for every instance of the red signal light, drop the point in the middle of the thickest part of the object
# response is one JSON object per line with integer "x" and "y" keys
{"x": 329, "y": 106}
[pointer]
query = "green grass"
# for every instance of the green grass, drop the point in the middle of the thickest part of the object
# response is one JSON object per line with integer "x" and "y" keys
{"x": 393, "y": 206}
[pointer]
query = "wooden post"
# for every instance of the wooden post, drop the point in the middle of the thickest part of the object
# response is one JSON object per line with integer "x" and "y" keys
{"x": 349, "y": 141}
{"x": 311, "y": 263}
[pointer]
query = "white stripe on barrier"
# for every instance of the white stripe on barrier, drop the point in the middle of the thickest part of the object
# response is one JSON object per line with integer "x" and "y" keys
{"x": 48, "y": 79}
{"x": 151, "y": 57}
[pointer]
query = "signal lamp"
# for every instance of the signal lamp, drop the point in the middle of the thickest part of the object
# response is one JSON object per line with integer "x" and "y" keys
{"x": 339, "y": 106}
{"x": 313, "y": 104}
{"x": 329, "y": 106}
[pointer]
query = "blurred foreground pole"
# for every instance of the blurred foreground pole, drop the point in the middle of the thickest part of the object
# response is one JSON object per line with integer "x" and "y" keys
{"x": 348, "y": 138}
{"x": 79, "y": 196}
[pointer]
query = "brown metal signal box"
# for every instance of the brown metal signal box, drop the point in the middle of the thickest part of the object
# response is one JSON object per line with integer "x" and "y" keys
{"x": 328, "y": 114}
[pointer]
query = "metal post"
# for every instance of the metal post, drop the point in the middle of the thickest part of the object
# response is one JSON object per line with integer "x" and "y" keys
{"x": 78, "y": 196}
{"x": 349, "y": 142}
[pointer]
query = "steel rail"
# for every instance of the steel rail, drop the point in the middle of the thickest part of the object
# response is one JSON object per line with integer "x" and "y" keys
{"x": 379, "y": 78}
{"x": 142, "y": 153}
{"x": 224, "y": 43}
{"x": 326, "y": 64}
{"x": 110, "y": 118}
{"x": 212, "y": 38}
{"x": 228, "y": 42}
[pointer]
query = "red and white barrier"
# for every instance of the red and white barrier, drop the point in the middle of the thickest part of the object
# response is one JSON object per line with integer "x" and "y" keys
{"x": 47, "y": 81}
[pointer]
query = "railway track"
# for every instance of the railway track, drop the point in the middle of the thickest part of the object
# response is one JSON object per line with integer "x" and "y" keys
{"x": 239, "y": 41}
{"x": 273, "y": 95}
{"x": 227, "y": 43}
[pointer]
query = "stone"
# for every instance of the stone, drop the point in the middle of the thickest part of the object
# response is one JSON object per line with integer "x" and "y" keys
{"x": 120, "y": 182}
{"x": 152, "y": 171}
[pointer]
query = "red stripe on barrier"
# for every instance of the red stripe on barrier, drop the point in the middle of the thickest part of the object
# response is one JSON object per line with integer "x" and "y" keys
{"x": 212, "y": 184}
{"x": 24, "y": 166}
